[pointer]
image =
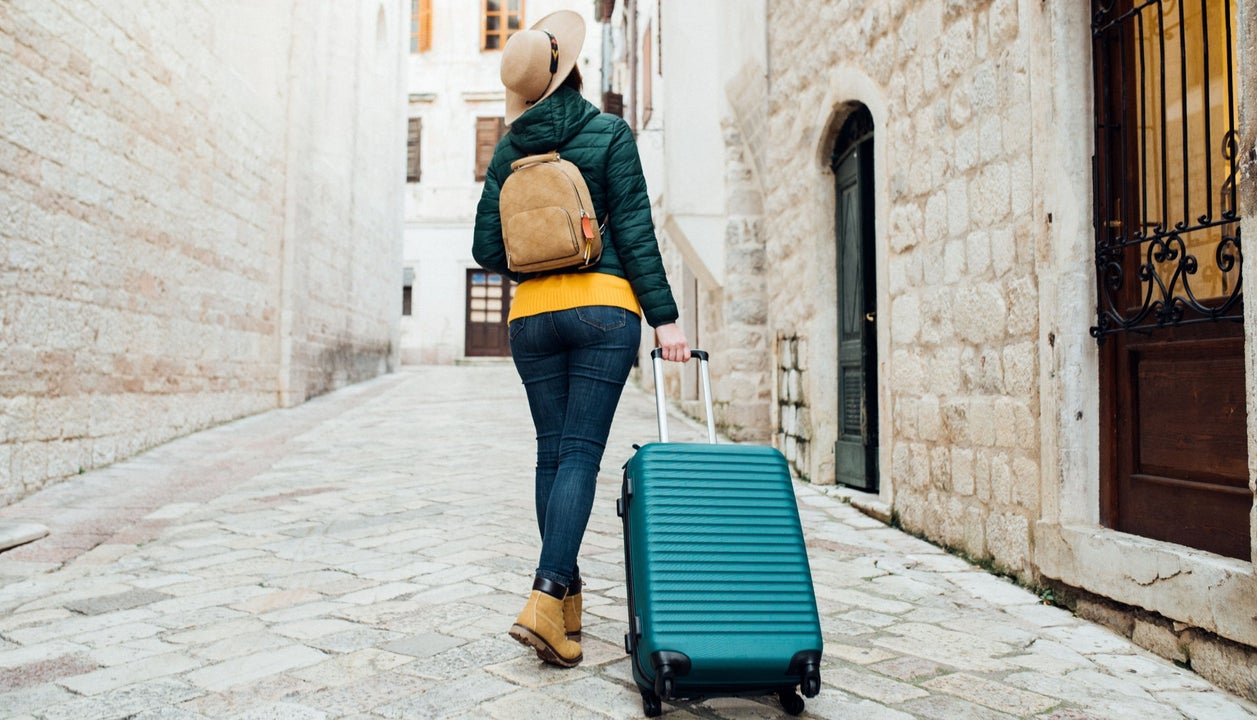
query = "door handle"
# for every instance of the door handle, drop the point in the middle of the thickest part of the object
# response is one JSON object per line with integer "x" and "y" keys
{"x": 870, "y": 316}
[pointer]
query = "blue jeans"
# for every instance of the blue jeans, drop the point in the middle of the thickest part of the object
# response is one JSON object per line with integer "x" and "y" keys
{"x": 573, "y": 364}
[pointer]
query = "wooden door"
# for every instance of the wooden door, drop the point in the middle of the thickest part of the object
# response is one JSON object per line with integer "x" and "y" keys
{"x": 1174, "y": 462}
{"x": 488, "y": 305}
{"x": 855, "y": 451}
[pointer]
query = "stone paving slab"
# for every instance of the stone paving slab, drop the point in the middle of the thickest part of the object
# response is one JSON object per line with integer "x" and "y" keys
{"x": 362, "y": 556}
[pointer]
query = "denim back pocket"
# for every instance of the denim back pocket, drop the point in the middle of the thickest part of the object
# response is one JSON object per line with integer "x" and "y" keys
{"x": 516, "y": 327}
{"x": 603, "y": 317}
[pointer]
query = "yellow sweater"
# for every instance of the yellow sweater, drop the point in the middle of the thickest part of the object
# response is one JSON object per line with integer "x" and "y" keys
{"x": 566, "y": 291}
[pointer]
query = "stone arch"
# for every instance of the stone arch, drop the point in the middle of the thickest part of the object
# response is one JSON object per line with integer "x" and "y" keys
{"x": 848, "y": 88}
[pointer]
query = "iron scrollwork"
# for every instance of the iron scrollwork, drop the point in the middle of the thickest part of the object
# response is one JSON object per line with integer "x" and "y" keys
{"x": 1179, "y": 281}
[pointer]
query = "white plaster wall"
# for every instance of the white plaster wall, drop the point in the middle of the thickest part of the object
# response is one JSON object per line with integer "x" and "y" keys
{"x": 697, "y": 68}
{"x": 441, "y": 254}
{"x": 449, "y": 87}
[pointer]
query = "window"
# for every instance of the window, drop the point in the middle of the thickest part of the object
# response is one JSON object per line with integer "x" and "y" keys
{"x": 420, "y": 26}
{"x": 414, "y": 133}
{"x": 613, "y": 102}
{"x": 1168, "y": 249}
{"x": 408, "y": 282}
{"x": 489, "y": 130}
{"x": 501, "y": 19}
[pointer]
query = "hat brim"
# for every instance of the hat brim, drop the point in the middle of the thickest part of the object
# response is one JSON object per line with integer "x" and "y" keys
{"x": 568, "y": 29}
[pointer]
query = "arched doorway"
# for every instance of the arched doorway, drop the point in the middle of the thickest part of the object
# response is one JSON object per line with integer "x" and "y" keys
{"x": 855, "y": 450}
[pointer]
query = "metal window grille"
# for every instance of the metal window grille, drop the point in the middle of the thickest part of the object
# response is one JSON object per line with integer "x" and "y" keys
{"x": 1168, "y": 247}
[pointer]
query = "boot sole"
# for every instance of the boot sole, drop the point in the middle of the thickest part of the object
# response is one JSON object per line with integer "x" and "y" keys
{"x": 544, "y": 651}
{"x": 574, "y": 637}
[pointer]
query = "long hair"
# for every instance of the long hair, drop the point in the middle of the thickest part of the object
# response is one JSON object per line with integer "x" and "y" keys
{"x": 573, "y": 80}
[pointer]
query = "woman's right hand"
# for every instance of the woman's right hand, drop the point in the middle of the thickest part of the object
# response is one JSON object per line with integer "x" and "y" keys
{"x": 671, "y": 339}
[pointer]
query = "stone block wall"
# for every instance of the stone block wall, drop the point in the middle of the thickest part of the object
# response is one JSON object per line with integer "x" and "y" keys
{"x": 793, "y": 433}
{"x": 948, "y": 84}
{"x": 201, "y": 217}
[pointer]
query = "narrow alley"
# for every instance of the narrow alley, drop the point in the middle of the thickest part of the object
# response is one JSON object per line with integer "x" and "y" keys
{"x": 362, "y": 555}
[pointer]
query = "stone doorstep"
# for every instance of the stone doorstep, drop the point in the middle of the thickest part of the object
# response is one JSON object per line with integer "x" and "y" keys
{"x": 15, "y": 532}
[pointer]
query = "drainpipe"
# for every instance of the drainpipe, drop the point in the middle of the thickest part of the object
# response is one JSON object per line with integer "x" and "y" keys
{"x": 631, "y": 11}
{"x": 608, "y": 47}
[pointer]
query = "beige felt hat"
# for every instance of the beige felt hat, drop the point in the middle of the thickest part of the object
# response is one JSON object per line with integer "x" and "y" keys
{"x": 537, "y": 60}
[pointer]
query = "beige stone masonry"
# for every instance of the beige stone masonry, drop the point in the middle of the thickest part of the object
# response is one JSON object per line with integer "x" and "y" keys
{"x": 201, "y": 218}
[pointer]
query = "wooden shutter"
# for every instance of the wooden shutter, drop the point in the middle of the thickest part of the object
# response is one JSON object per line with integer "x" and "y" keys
{"x": 414, "y": 133}
{"x": 489, "y": 130}
{"x": 613, "y": 102}
{"x": 421, "y": 40}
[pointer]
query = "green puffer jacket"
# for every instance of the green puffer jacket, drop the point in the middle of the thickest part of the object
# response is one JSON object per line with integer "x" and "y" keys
{"x": 602, "y": 146}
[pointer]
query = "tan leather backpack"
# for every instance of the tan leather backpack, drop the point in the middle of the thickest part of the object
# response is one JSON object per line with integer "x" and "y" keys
{"x": 548, "y": 220}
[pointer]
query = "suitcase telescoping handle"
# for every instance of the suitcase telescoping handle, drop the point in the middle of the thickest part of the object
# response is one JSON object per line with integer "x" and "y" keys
{"x": 656, "y": 357}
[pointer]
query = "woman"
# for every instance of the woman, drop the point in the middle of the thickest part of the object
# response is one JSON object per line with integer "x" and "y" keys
{"x": 574, "y": 333}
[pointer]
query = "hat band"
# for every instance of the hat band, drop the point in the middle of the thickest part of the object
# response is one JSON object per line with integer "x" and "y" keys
{"x": 554, "y": 64}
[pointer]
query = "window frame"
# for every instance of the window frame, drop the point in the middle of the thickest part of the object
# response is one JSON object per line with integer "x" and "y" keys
{"x": 420, "y": 26}
{"x": 503, "y": 32}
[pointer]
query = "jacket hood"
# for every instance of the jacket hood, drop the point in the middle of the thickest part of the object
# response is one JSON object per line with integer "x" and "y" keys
{"x": 552, "y": 122}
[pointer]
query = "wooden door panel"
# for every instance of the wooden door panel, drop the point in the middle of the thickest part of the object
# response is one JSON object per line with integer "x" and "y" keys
{"x": 1208, "y": 517}
{"x": 488, "y": 305}
{"x": 1192, "y": 411}
{"x": 1181, "y": 451}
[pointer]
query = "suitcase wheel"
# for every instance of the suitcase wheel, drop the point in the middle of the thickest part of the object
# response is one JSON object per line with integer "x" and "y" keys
{"x": 790, "y": 701}
{"x": 665, "y": 683}
{"x": 811, "y": 685}
{"x": 651, "y": 705}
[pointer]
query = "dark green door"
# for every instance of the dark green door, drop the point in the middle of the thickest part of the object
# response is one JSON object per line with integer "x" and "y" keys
{"x": 855, "y": 452}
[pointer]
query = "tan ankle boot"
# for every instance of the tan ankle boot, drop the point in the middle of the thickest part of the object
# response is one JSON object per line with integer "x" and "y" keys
{"x": 572, "y": 607}
{"x": 540, "y": 626}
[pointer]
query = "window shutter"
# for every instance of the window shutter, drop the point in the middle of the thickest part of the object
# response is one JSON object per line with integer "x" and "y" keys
{"x": 488, "y": 131}
{"x": 414, "y": 133}
{"x": 613, "y": 102}
{"x": 425, "y": 25}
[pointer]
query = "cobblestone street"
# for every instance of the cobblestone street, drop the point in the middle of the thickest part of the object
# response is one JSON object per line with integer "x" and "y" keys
{"x": 362, "y": 556}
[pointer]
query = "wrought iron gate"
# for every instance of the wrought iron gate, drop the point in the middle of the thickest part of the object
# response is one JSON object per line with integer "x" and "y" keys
{"x": 1166, "y": 165}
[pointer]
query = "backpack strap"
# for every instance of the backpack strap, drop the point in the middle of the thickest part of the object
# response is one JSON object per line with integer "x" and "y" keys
{"x": 552, "y": 156}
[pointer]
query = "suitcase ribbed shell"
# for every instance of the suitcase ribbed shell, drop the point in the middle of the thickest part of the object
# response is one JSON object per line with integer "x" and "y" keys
{"x": 717, "y": 563}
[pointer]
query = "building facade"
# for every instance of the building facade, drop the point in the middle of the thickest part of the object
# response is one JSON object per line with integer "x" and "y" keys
{"x": 991, "y": 251}
{"x": 203, "y": 218}
{"x": 451, "y": 308}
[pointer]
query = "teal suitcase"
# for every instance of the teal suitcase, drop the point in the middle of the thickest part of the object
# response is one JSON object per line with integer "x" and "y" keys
{"x": 720, "y": 592}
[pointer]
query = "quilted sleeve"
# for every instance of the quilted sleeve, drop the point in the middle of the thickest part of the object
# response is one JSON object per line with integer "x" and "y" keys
{"x": 632, "y": 229}
{"x": 486, "y": 240}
